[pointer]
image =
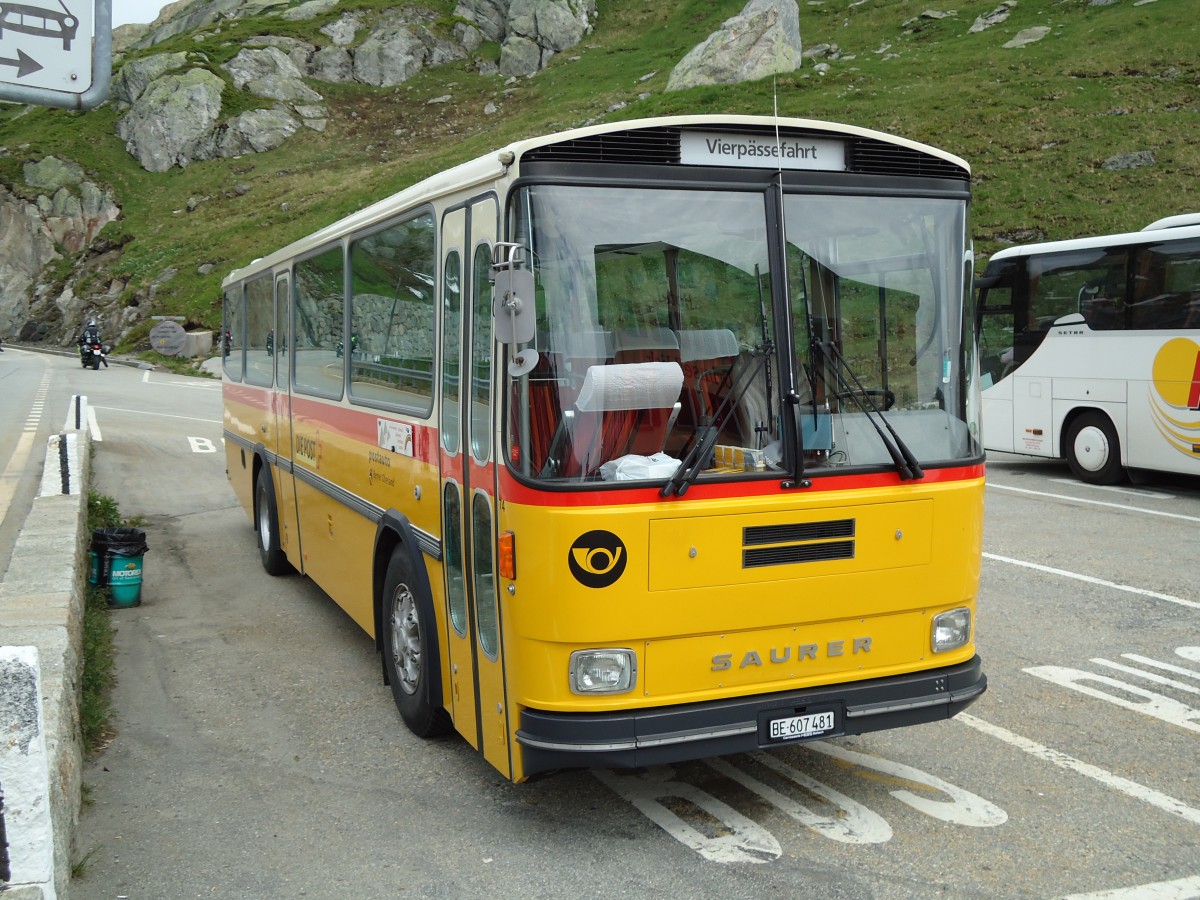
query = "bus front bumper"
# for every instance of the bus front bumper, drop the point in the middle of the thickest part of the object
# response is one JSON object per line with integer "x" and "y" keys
{"x": 671, "y": 734}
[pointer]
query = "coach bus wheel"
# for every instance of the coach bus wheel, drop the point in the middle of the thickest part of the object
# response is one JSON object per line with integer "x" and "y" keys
{"x": 1094, "y": 450}
{"x": 267, "y": 521}
{"x": 408, "y": 651}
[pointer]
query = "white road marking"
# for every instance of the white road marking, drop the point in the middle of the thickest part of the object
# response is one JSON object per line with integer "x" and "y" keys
{"x": 1136, "y": 492}
{"x": 1185, "y": 652}
{"x": 1180, "y": 889}
{"x": 851, "y": 822}
{"x": 1121, "y": 506}
{"x": 143, "y": 412}
{"x": 93, "y": 425}
{"x": 963, "y": 807}
{"x": 201, "y": 384}
{"x": 1050, "y": 570}
{"x": 741, "y": 840}
{"x": 1149, "y": 676}
{"x": 1160, "y": 706}
{"x": 1063, "y": 761}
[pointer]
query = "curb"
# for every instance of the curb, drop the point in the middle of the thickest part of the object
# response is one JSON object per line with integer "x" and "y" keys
{"x": 41, "y": 613}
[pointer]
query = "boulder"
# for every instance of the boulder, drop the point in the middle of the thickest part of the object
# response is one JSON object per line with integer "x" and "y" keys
{"x": 397, "y": 49}
{"x": 171, "y": 123}
{"x": 269, "y": 72}
{"x": 764, "y": 39}
{"x": 256, "y": 131}
{"x": 134, "y": 77}
{"x": 52, "y": 173}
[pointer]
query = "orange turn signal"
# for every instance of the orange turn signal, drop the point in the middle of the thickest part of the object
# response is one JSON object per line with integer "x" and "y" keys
{"x": 507, "y": 547}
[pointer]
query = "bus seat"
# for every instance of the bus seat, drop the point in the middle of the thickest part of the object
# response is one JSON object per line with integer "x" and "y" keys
{"x": 707, "y": 356}
{"x": 623, "y": 408}
{"x": 653, "y": 344}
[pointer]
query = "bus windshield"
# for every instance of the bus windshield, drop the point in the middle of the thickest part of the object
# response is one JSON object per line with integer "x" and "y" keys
{"x": 660, "y": 330}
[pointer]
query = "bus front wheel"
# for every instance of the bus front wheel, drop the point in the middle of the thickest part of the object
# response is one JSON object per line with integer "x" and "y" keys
{"x": 1094, "y": 450}
{"x": 408, "y": 650}
{"x": 266, "y": 522}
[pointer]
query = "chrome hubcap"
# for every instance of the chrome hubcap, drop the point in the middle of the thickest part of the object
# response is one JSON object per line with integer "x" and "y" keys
{"x": 406, "y": 639}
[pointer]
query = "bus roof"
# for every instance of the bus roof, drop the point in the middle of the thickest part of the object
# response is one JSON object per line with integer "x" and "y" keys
{"x": 1155, "y": 233}
{"x": 1174, "y": 222}
{"x": 495, "y": 164}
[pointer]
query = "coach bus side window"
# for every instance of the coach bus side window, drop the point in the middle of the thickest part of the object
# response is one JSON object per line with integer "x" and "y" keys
{"x": 1166, "y": 286}
{"x": 229, "y": 341}
{"x": 1090, "y": 282}
{"x": 260, "y": 314}
{"x": 393, "y": 316}
{"x": 319, "y": 302}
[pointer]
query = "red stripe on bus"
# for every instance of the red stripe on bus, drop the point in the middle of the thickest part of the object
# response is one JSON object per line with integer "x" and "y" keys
{"x": 513, "y": 490}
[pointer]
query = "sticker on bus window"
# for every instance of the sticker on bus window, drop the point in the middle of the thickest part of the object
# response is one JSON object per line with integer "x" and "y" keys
{"x": 395, "y": 436}
{"x": 597, "y": 559}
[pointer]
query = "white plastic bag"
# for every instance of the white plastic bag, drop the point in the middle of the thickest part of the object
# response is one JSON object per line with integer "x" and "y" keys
{"x": 639, "y": 468}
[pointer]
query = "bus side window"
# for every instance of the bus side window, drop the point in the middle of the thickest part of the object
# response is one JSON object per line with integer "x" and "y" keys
{"x": 1167, "y": 286}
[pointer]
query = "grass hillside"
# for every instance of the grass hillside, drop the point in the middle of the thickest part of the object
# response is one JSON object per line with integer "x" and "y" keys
{"x": 1036, "y": 123}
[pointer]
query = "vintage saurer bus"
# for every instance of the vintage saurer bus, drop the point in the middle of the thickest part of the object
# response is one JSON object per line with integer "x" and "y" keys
{"x": 634, "y": 444}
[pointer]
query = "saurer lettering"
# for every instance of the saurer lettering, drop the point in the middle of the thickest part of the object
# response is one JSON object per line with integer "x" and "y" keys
{"x": 779, "y": 655}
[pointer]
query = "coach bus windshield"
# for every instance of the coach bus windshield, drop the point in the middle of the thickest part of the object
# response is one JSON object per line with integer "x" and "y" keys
{"x": 658, "y": 332}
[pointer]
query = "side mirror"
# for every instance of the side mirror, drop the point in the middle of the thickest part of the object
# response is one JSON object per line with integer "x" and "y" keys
{"x": 513, "y": 306}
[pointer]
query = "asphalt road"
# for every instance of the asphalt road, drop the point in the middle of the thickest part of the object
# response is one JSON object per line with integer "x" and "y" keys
{"x": 258, "y": 754}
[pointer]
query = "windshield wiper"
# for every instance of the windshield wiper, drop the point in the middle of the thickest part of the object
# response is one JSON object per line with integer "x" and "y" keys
{"x": 903, "y": 458}
{"x": 694, "y": 461}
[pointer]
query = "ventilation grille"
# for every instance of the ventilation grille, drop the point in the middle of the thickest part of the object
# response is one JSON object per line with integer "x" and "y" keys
{"x": 802, "y": 542}
{"x": 645, "y": 147}
{"x": 872, "y": 157}
{"x": 660, "y": 147}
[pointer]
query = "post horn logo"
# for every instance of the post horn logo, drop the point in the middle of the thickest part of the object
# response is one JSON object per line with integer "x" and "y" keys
{"x": 597, "y": 559}
{"x": 1176, "y": 409}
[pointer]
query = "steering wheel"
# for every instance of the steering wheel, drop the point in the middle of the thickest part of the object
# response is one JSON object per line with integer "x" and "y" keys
{"x": 889, "y": 399}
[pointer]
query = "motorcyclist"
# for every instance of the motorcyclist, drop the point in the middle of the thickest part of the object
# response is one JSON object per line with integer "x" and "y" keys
{"x": 91, "y": 335}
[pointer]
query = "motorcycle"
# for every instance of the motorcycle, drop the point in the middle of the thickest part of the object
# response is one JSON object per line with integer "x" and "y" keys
{"x": 93, "y": 353}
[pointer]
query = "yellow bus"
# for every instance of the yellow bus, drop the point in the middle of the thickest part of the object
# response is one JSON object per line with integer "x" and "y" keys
{"x": 634, "y": 444}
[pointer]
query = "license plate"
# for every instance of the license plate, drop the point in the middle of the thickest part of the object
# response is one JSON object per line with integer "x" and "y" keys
{"x": 808, "y": 725}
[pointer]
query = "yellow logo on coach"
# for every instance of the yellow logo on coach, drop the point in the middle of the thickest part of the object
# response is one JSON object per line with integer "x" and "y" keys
{"x": 1176, "y": 375}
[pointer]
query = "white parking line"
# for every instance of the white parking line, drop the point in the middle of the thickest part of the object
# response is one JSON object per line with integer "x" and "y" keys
{"x": 1050, "y": 570}
{"x": 1108, "y": 779}
{"x": 1136, "y": 492}
{"x": 1180, "y": 889}
{"x": 1121, "y": 506}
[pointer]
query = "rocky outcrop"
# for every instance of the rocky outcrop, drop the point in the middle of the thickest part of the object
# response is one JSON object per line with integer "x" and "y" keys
{"x": 64, "y": 216}
{"x": 174, "y": 100}
{"x": 174, "y": 115}
{"x": 399, "y": 47}
{"x": 530, "y": 32}
{"x": 762, "y": 40}
{"x": 172, "y": 122}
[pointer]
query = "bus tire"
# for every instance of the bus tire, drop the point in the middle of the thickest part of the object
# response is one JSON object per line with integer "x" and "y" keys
{"x": 1094, "y": 450}
{"x": 410, "y": 649}
{"x": 266, "y": 528}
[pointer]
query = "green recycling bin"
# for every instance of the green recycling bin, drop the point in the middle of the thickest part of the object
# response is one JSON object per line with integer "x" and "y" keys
{"x": 117, "y": 555}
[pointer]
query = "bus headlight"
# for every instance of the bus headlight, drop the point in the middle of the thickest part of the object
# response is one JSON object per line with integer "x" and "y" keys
{"x": 602, "y": 671}
{"x": 951, "y": 630}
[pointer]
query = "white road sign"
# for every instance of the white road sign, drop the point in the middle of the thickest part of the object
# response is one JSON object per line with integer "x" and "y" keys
{"x": 51, "y": 52}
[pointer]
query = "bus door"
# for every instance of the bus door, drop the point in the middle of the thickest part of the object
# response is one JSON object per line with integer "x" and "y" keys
{"x": 280, "y": 442}
{"x": 468, "y": 483}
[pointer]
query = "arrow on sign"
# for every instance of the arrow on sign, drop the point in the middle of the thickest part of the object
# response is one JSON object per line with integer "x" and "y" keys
{"x": 24, "y": 64}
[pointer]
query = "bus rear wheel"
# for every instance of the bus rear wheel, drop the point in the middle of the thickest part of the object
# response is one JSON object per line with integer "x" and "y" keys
{"x": 1094, "y": 450}
{"x": 266, "y": 522}
{"x": 409, "y": 651}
